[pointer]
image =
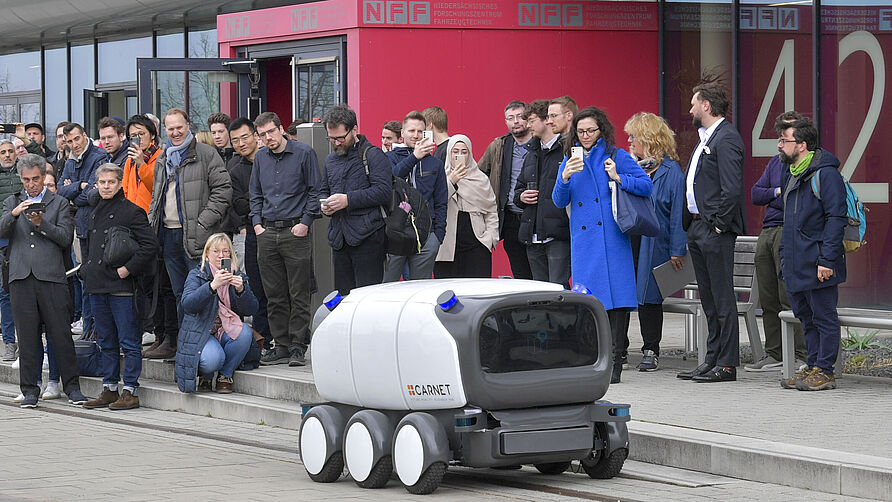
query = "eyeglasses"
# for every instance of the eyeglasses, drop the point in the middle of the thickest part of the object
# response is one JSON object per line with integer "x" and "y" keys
{"x": 267, "y": 134}
{"x": 240, "y": 139}
{"x": 337, "y": 139}
{"x": 587, "y": 132}
{"x": 514, "y": 118}
{"x": 781, "y": 141}
{"x": 553, "y": 116}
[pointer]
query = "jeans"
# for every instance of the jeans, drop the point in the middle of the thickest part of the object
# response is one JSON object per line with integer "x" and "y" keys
{"x": 361, "y": 265}
{"x": 78, "y": 292}
{"x": 421, "y": 265}
{"x": 816, "y": 309}
{"x": 224, "y": 355}
{"x": 85, "y": 298}
{"x": 259, "y": 320}
{"x": 287, "y": 272}
{"x": 6, "y": 317}
{"x": 550, "y": 262}
{"x": 117, "y": 327}
{"x": 177, "y": 263}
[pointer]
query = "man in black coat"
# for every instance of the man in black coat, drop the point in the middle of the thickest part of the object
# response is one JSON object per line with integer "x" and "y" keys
{"x": 38, "y": 240}
{"x": 713, "y": 219}
{"x": 109, "y": 277}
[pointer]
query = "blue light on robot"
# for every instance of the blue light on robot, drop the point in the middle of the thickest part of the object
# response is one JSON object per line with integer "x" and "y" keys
{"x": 447, "y": 300}
{"x": 332, "y": 300}
{"x": 580, "y": 288}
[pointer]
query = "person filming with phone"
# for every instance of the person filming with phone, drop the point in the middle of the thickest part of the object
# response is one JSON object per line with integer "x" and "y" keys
{"x": 600, "y": 253}
{"x": 213, "y": 337}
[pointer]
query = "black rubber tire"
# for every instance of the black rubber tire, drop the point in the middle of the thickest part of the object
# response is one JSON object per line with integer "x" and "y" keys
{"x": 430, "y": 479}
{"x": 380, "y": 474}
{"x": 332, "y": 469}
{"x": 552, "y": 468}
{"x": 604, "y": 467}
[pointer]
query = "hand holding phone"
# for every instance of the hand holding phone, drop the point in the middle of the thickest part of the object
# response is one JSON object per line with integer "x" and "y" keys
{"x": 7, "y": 128}
{"x": 226, "y": 264}
{"x": 428, "y": 135}
{"x": 577, "y": 152}
{"x": 134, "y": 142}
{"x": 35, "y": 207}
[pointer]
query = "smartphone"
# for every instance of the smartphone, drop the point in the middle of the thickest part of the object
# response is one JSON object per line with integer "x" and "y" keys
{"x": 226, "y": 264}
{"x": 323, "y": 202}
{"x": 428, "y": 134}
{"x": 134, "y": 140}
{"x": 37, "y": 207}
{"x": 457, "y": 159}
{"x": 576, "y": 151}
{"x": 8, "y": 128}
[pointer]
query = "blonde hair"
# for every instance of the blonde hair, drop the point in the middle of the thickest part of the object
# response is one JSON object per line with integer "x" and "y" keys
{"x": 654, "y": 134}
{"x": 216, "y": 239}
{"x": 205, "y": 137}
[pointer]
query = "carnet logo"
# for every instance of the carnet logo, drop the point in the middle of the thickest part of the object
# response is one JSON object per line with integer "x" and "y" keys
{"x": 396, "y": 12}
{"x": 411, "y": 390}
{"x": 442, "y": 390}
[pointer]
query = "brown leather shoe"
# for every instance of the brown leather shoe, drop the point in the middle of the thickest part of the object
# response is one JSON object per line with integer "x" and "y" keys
{"x": 106, "y": 398}
{"x": 127, "y": 401}
{"x": 205, "y": 384}
{"x": 224, "y": 385}
{"x": 167, "y": 349}
{"x": 150, "y": 348}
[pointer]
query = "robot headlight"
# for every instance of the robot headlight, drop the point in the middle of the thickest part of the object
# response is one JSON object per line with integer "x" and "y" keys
{"x": 580, "y": 288}
{"x": 447, "y": 300}
{"x": 332, "y": 300}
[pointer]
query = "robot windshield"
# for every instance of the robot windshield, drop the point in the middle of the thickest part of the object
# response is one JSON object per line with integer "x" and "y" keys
{"x": 537, "y": 338}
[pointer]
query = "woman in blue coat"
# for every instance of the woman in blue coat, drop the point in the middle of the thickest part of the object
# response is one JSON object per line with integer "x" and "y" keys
{"x": 213, "y": 337}
{"x": 652, "y": 142}
{"x": 600, "y": 254}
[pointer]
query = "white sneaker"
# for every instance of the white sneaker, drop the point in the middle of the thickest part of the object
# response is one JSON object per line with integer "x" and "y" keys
{"x": 52, "y": 391}
{"x": 18, "y": 399}
{"x": 77, "y": 327}
{"x": 148, "y": 338}
{"x": 15, "y": 365}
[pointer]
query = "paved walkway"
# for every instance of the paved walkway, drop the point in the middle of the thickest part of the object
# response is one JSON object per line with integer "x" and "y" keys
{"x": 59, "y": 452}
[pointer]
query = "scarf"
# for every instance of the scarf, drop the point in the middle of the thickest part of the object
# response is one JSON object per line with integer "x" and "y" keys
{"x": 175, "y": 153}
{"x": 148, "y": 152}
{"x": 231, "y": 323}
{"x": 649, "y": 165}
{"x": 802, "y": 165}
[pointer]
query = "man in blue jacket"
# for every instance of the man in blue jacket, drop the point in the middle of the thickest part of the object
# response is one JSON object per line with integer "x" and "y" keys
{"x": 813, "y": 261}
{"x": 427, "y": 174}
{"x": 353, "y": 198}
{"x": 772, "y": 292}
{"x": 78, "y": 182}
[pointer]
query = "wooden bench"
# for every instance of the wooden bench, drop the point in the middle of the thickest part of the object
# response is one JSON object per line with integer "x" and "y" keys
{"x": 857, "y": 318}
{"x": 745, "y": 286}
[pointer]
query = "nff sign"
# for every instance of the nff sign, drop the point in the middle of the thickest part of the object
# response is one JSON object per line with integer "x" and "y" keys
{"x": 549, "y": 14}
{"x": 396, "y": 12}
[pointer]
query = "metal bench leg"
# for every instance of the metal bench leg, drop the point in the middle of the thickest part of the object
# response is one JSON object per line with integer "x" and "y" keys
{"x": 702, "y": 332}
{"x": 752, "y": 330}
{"x": 840, "y": 366}
{"x": 787, "y": 350}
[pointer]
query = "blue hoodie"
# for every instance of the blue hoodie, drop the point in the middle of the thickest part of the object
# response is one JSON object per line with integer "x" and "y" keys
{"x": 430, "y": 179}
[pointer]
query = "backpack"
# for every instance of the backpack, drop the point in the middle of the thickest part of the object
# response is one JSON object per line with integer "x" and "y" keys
{"x": 853, "y": 236}
{"x": 406, "y": 232}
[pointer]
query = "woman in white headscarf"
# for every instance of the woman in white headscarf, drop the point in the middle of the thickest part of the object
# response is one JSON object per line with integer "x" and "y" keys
{"x": 472, "y": 220}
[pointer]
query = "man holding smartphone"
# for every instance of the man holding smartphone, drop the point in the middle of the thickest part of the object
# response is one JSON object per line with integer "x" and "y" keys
{"x": 353, "y": 199}
{"x": 284, "y": 192}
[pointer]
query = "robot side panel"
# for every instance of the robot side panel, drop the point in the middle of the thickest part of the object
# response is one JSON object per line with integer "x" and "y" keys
{"x": 429, "y": 370}
{"x": 332, "y": 365}
{"x": 373, "y": 354}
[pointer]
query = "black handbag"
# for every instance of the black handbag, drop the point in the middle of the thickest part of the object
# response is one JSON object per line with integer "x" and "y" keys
{"x": 119, "y": 247}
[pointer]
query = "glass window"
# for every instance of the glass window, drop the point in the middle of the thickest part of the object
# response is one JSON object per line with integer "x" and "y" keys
{"x": 117, "y": 60}
{"x": 536, "y": 338}
{"x": 170, "y": 46}
{"x": 56, "y": 72}
{"x": 81, "y": 78}
{"x": 203, "y": 44}
{"x": 316, "y": 89}
{"x": 856, "y": 44}
{"x": 697, "y": 44}
{"x": 20, "y": 72}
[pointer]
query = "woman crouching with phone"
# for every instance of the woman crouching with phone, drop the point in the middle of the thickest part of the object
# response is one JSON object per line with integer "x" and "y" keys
{"x": 213, "y": 336}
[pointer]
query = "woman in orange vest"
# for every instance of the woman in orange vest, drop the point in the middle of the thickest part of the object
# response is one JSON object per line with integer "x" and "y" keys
{"x": 139, "y": 169}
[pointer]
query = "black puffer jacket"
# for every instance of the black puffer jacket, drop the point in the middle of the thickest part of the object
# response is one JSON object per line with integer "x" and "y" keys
{"x": 544, "y": 218}
{"x": 100, "y": 278}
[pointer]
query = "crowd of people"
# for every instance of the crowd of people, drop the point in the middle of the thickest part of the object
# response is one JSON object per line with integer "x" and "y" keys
{"x": 181, "y": 240}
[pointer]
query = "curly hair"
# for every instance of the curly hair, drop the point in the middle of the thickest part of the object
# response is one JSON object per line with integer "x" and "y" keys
{"x": 654, "y": 135}
{"x": 600, "y": 118}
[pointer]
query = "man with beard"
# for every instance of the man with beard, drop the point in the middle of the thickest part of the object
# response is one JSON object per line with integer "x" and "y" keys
{"x": 284, "y": 193}
{"x": 713, "y": 218}
{"x": 352, "y": 199}
{"x": 813, "y": 259}
{"x": 502, "y": 162}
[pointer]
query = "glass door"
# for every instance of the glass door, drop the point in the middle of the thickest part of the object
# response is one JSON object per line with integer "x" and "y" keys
{"x": 200, "y": 86}
{"x": 95, "y": 107}
{"x": 317, "y": 85}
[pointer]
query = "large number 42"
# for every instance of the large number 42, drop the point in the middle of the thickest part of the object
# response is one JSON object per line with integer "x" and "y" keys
{"x": 851, "y": 43}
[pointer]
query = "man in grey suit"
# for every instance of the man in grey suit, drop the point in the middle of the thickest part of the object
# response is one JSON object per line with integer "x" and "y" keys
{"x": 39, "y": 227}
